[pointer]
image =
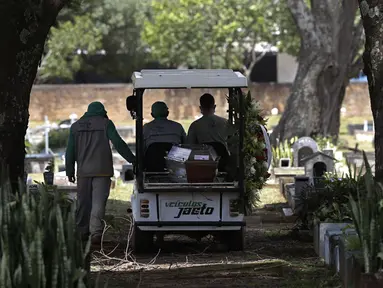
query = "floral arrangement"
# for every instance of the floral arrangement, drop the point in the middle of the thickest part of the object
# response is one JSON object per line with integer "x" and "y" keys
{"x": 254, "y": 145}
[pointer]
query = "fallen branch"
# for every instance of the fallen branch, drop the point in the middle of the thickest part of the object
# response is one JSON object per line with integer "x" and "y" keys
{"x": 205, "y": 268}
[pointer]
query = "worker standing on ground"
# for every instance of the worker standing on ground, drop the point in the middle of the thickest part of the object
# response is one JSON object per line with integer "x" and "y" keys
{"x": 89, "y": 146}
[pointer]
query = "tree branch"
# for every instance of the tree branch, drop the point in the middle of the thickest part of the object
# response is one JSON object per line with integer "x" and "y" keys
{"x": 357, "y": 52}
{"x": 359, "y": 37}
{"x": 304, "y": 20}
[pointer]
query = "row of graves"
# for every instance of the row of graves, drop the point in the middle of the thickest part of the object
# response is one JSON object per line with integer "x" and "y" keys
{"x": 44, "y": 164}
{"x": 330, "y": 239}
{"x": 362, "y": 132}
{"x": 56, "y": 176}
{"x": 309, "y": 165}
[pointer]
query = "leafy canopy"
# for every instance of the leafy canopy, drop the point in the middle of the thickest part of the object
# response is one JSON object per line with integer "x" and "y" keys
{"x": 205, "y": 33}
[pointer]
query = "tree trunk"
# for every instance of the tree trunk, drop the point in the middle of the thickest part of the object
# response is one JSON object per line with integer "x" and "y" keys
{"x": 302, "y": 113}
{"x": 371, "y": 11}
{"x": 24, "y": 31}
{"x": 326, "y": 62}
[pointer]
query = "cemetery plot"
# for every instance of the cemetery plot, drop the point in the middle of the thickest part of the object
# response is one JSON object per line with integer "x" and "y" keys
{"x": 273, "y": 258}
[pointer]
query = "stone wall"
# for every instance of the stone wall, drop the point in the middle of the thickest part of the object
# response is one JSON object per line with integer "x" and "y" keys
{"x": 59, "y": 101}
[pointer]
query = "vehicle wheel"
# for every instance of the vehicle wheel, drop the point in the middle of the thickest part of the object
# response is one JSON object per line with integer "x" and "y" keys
{"x": 235, "y": 240}
{"x": 141, "y": 241}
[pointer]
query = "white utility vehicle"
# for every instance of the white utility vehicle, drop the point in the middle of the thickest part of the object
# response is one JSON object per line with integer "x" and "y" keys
{"x": 184, "y": 189}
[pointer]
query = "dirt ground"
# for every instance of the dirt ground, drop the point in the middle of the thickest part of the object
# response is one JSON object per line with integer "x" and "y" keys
{"x": 274, "y": 257}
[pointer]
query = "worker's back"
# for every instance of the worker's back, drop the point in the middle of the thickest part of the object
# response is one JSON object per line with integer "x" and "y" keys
{"x": 92, "y": 147}
{"x": 208, "y": 129}
{"x": 162, "y": 130}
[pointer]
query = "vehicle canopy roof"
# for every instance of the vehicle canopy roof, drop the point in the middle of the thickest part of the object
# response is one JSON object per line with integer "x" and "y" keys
{"x": 188, "y": 78}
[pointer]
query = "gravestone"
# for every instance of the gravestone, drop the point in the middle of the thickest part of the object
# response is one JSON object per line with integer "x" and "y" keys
{"x": 36, "y": 163}
{"x": 303, "y": 148}
{"x": 284, "y": 162}
{"x": 328, "y": 252}
{"x": 317, "y": 164}
{"x": 334, "y": 252}
{"x": 320, "y": 232}
{"x": 353, "y": 127}
{"x": 357, "y": 158}
{"x": 348, "y": 265}
{"x": 368, "y": 126}
{"x": 328, "y": 152}
{"x": 300, "y": 184}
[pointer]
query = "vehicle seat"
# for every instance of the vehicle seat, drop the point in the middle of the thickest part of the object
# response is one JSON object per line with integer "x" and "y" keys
{"x": 154, "y": 160}
{"x": 222, "y": 152}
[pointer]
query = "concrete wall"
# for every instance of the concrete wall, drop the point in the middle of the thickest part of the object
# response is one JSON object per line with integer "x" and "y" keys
{"x": 59, "y": 101}
{"x": 287, "y": 67}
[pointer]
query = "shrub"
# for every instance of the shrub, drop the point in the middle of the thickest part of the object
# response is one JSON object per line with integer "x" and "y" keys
{"x": 283, "y": 150}
{"x": 330, "y": 204}
{"x": 254, "y": 147}
{"x": 57, "y": 139}
{"x": 367, "y": 216}
{"x": 39, "y": 245}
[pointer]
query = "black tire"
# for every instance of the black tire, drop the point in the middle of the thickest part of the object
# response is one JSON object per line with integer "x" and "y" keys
{"x": 235, "y": 240}
{"x": 141, "y": 241}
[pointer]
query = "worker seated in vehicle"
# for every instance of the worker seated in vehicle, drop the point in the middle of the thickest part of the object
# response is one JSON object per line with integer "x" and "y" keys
{"x": 159, "y": 135}
{"x": 210, "y": 129}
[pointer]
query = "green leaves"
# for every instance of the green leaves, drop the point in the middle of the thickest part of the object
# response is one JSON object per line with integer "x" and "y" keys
{"x": 254, "y": 146}
{"x": 367, "y": 215}
{"x": 66, "y": 45}
{"x": 204, "y": 33}
{"x": 38, "y": 247}
{"x": 283, "y": 150}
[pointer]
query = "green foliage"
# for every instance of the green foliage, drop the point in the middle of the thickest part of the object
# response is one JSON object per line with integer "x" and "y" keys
{"x": 205, "y": 33}
{"x": 121, "y": 23}
{"x": 195, "y": 33}
{"x": 39, "y": 243}
{"x": 57, "y": 139}
{"x": 254, "y": 147}
{"x": 330, "y": 204}
{"x": 367, "y": 215}
{"x": 353, "y": 243}
{"x": 324, "y": 142}
{"x": 283, "y": 30}
{"x": 283, "y": 150}
{"x": 111, "y": 26}
{"x": 62, "y": 58}
{"x": 28, "y": 147}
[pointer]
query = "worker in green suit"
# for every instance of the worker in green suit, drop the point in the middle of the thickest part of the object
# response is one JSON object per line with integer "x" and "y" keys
{"x": 89, "y": 146}
{"x": 161, "y": 129}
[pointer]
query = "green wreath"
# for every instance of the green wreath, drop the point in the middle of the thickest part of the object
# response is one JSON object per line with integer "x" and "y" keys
{"x": 254, "y": 147}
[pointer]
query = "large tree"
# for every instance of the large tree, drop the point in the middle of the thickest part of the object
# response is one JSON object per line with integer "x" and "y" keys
{"x": 331, "y": 41}
{"x": 205, "y": 33}
{"x": 103, "y": 36}
{"x": 24, "y": 27}
{"x": 372, "y": 17}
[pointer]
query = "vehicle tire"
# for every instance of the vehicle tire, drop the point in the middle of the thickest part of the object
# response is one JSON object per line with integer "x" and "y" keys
{"x": 141, "y": 241}
{"x": 235, "y": 240}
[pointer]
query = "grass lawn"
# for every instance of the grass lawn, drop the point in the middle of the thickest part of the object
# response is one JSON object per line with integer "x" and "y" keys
{"x": 270, "y": 194}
